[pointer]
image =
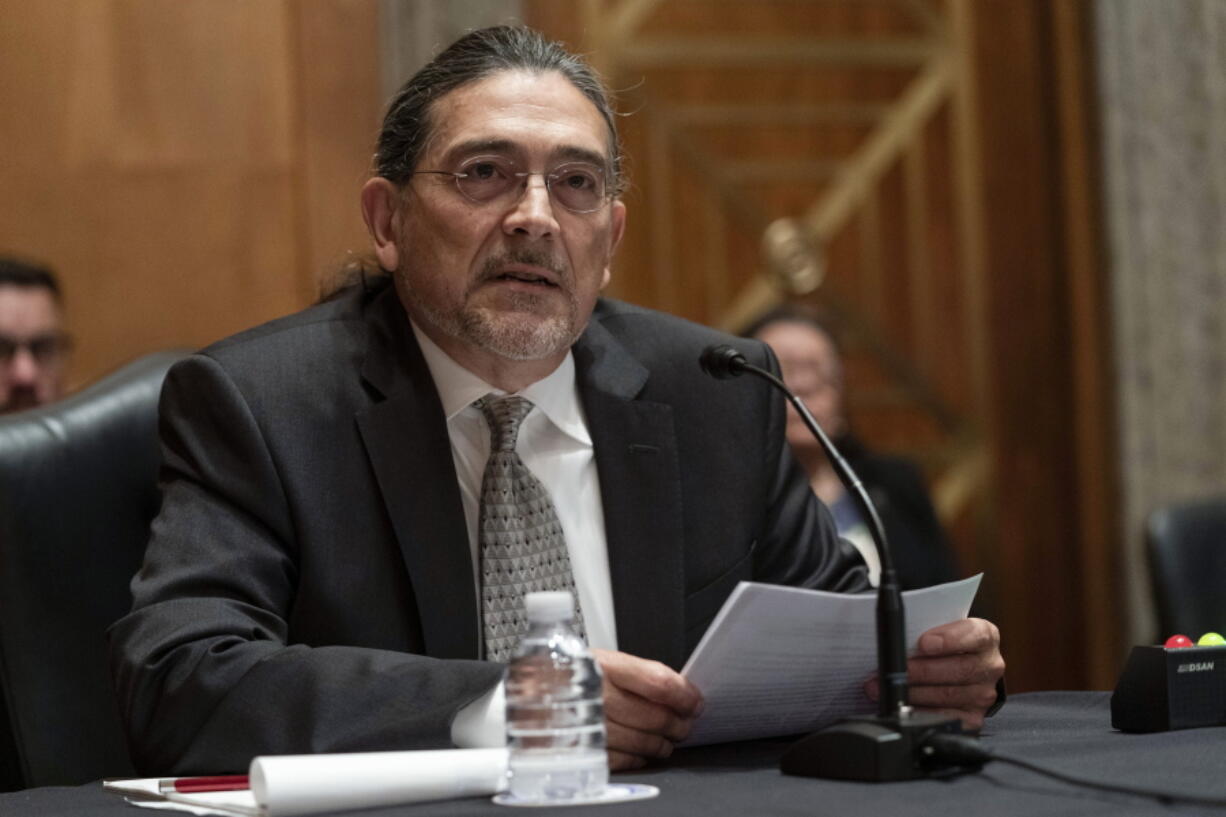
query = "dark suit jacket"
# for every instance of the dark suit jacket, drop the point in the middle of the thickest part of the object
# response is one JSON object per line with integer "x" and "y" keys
{"x": 922, "y": 556}
{"x": 308, "y": 585}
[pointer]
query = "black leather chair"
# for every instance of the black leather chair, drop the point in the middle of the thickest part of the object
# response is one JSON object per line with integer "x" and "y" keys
{"x": 78, "y": 488}
{"x": 1187, "y": 559}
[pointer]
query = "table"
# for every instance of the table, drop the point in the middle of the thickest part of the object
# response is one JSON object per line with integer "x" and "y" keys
{"x": 1069, "y": 731}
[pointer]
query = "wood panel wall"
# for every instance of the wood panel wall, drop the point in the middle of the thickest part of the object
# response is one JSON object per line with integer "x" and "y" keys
{"x": 188, "y": 167}
{"x": 967, "y": 271}
{"x": 192, "y": 168}
{"x": 1050, "y": 385}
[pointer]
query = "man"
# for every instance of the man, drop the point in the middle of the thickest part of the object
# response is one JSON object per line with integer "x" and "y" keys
{"x": 312, "y": 581}
{"x": 813, "y": 370}
{"x": 33, "y": 346}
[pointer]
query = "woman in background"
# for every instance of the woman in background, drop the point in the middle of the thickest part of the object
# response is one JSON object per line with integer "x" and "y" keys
{"x": 812, "y": 368}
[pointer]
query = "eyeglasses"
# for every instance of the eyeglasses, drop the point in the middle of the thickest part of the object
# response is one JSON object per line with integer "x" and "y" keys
{"x": 808, "y": 378}
{"x": 45, "y": 349}
{"x": 578, "y": 186}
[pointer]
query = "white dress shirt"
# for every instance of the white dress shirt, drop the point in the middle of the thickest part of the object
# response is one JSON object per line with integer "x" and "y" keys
{"x": 555, "y": 445}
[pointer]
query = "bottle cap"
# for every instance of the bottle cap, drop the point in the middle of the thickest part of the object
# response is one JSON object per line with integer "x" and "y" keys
{"x": 549, "y": 606}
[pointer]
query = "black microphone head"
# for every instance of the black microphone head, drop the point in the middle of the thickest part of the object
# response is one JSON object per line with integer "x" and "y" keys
{"x": 721, "y": 361}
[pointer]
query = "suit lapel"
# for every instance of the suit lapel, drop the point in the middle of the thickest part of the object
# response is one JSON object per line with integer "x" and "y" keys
{"x": 405, "y": 436}
{"x": 640, "y": 484}
{"x": 406, "y": 440}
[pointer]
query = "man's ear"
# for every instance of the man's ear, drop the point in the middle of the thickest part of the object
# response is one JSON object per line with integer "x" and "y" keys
{"x": 617, "y": 228}
{"x": 380, "y": 202}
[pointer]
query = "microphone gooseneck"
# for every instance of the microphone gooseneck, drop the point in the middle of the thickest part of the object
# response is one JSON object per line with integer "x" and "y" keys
{"x": 724, "y": 362}
{"x": 887, "y": 747}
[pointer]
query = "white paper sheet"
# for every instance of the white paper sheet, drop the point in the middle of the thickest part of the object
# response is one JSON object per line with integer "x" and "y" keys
{"x": 144, "y": 792}
{"x": 778, "y": 660}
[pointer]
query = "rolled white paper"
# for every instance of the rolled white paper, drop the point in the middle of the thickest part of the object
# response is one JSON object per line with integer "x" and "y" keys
{"x": 286, "y": 785}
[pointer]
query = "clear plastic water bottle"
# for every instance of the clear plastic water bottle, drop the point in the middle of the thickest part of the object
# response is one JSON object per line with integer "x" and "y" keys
{"x": 555, "y": 709}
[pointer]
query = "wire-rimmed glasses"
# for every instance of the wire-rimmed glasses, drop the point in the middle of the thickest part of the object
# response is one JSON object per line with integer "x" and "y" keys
{"x": 580, "y": 187}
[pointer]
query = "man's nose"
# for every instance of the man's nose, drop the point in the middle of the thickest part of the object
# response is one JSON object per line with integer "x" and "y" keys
{"x": 23, "y": 368}
{"x": 533, "y": 214}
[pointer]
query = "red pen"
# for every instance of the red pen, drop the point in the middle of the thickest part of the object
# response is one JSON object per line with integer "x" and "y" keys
{"x": 191, "y": 785}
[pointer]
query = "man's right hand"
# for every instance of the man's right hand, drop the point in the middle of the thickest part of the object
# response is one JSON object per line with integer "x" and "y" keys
{"x": 647, "y": 707}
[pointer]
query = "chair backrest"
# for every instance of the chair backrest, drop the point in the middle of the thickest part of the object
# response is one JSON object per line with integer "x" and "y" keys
{"x": 1187, "y": 558}
{"x": 78, "y": 488}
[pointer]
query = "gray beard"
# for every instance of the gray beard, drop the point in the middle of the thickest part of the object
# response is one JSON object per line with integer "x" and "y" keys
{"x": 515, "y": 337}
{"x": 518, "y": 335}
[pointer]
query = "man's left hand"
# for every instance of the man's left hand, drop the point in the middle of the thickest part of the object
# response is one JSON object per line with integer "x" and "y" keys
{"x": 955, "y": 671}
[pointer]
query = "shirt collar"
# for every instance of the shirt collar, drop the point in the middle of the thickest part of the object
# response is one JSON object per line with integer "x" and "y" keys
{"x": 556, "y": 395}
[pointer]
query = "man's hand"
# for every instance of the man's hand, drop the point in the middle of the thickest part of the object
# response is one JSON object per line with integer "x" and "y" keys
{"x": 955, "y": 671}
{"x": 647, "y": 708}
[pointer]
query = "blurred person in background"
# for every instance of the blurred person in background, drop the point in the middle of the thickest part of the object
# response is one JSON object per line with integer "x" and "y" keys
{"x": 33, "y": 345}
{"x": 813, "y": 369}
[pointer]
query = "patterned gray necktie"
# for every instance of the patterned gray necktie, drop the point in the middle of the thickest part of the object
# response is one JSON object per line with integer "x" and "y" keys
{"x": 523, "y": 549}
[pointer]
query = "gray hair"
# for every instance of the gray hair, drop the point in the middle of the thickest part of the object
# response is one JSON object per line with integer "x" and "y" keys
{"x": 475, "y": 56}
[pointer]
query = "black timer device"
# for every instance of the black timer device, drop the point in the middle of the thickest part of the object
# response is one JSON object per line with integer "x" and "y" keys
{"x": 1162, "y": 689}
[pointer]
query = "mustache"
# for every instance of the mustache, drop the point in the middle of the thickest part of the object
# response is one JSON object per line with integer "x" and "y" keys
{"x": 19, "y": 399}
{"x": 493, "y": 265}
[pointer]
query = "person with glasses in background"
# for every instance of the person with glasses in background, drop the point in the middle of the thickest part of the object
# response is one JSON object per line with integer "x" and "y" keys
{"x": 33, "y": 345}
{"x": 357, "y": 497}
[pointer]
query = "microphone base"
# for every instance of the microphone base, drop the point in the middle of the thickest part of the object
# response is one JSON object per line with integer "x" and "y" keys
{"x": 869, "y": 749}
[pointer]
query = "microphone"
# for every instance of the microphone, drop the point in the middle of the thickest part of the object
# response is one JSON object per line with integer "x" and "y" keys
{"x": 722, "y": 362}
{"x": 892, "y": 745}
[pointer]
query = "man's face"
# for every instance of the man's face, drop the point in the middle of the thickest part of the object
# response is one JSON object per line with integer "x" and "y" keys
{"x": 811, "y": 369}
{"x": 31, "y": 347}
{"x": 513, "y": 278}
